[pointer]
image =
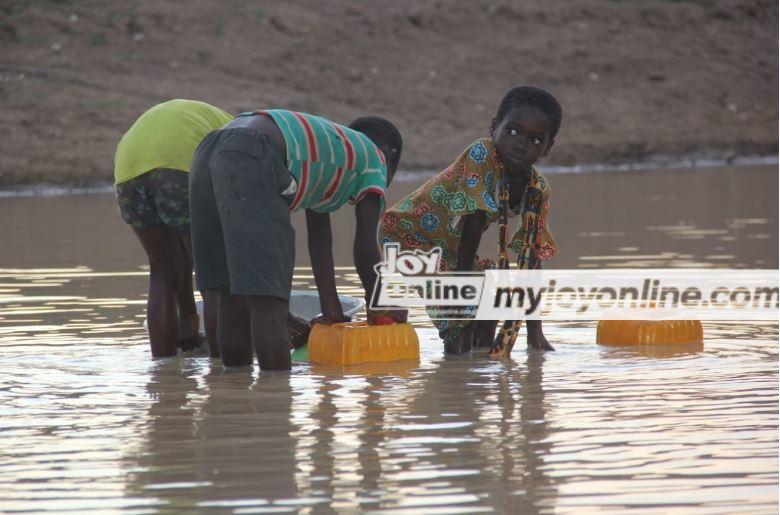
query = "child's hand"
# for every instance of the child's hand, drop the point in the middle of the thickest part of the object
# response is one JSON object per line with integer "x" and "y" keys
{"x": 329, "y": 320}
{"x": 298, "y": 330}
{"x": 387, "y": 316}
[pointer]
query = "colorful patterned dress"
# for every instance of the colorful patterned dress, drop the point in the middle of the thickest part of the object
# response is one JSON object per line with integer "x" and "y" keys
{"x": 433, "y": 216}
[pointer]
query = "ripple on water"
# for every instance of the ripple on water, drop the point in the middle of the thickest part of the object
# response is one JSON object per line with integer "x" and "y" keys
{"x": 89, "y": 422}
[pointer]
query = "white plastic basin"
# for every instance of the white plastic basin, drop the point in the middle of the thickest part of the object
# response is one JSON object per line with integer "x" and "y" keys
{"x": 305, "y": 304}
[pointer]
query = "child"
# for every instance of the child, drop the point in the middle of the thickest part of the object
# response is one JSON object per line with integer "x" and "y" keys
{"x": 246, "y": 178}
{"x": 151, "y": 168}
{"x": 454, "y": 208}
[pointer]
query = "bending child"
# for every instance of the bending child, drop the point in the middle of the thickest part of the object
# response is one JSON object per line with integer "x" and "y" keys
{"x": 246, "y": 178}
{"x": 151, "y": 168}
{"x": 454, "y": 208}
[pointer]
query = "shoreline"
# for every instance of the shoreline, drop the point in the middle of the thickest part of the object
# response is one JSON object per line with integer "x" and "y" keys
{"x": 636, "y": 79}
{"x": 52, "y": 189}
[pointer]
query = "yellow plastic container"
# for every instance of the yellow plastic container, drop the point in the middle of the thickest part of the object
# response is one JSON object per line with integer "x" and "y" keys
{"x": 649, "y": 332}
{"x": 351, "y": 343}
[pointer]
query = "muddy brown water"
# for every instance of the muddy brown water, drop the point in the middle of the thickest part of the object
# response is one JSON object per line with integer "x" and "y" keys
{"x": 89, "y": 423}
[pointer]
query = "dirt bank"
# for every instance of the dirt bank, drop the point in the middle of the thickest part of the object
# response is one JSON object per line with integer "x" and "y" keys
{"x": 636, "y": 78}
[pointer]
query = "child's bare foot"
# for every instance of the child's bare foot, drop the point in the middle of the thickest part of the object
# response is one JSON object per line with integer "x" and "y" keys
{"x": 536, "y": 338}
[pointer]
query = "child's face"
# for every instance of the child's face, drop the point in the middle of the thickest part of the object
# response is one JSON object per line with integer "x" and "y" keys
{"x": 522, "y": 137}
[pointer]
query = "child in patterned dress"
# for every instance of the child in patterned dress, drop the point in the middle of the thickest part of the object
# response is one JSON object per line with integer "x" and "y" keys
{"x": 454, "y": 208}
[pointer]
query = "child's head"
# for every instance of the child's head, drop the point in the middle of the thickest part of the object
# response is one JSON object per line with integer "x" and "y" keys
{"x": 385, "y": 135}
{"x": 525, "y": 126}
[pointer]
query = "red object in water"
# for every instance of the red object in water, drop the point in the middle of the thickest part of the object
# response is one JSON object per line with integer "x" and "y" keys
{"x": 382, "y": 320}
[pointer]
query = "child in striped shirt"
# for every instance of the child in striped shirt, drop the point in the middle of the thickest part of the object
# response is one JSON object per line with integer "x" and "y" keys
{"x": 246, "y": 178}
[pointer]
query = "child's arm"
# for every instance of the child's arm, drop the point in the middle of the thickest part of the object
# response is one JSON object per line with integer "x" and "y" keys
{"x": 467, "y": 251}
{"x": 469, "y": 240}
{"x": 366, "y": 252}
{"x": 321, "y": 255}
{"x": 365, "y": 249}
{"x": 535, "y": 335}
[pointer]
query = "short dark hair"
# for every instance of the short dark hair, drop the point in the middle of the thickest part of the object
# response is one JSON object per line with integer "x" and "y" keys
{"x": 381, "y": 131}
{"x": 534, "y": 97}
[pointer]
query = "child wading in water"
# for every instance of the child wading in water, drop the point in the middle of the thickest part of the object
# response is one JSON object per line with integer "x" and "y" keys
{"x": 246, "y": 178}
{"x": 151, "y": 173}
{"x": 454, "y": 208}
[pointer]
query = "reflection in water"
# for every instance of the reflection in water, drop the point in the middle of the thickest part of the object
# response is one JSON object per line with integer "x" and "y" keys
{"x": 168, "y": 426}
{"x": 423, "y": 440}
{"x": 667, "y": 219}
{"x": 215, "y": 439}
{"x": 66, "y": 306}
{"x": 96, "y": 423}
{"x": 652, "y": 351}
{"x": 518, "y": 410}
{"x": 676, "y": 217}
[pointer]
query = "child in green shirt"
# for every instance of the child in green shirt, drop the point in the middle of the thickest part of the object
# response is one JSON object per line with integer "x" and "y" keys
{"x": 151, "y": 174}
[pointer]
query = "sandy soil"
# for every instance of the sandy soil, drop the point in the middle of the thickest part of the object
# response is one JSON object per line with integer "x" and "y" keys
{"x": 636, "y": 78}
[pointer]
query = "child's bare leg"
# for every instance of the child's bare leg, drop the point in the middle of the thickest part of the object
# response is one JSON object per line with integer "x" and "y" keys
{"x": 462, "y": 342}
{"x": 162, "y": 247}
{"x": 536, "y": 338}
{"x": 233, "y": 330}
{"x": 188, "y": 313}
{"x": 269, "y": 332}
{"x": 210, "y": 316}
{"x": 484, "y": 333}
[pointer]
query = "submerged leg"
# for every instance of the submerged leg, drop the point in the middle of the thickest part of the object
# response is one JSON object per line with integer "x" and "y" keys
{"x": 233, "y": 330}
{"x": 166, "y": 264}
{"x": 484, "y": 333}
{"x": 458, "y": 339}
{"x": 536, "y": 338}
{"x": 189, "y": 325}
{"x": 269, "y": 332}
{"x": 210, "y": 316}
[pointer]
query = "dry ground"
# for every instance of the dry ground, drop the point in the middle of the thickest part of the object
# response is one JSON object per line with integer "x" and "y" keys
{"x": 637, "y": 78}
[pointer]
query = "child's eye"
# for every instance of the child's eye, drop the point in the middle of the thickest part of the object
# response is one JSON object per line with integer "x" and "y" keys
{"x": 512, "y": 132}
{"x": 536, "y": 141}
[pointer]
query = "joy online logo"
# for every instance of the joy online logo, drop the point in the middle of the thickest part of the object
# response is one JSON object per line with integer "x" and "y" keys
{"x": 413, "y": 279}
{"x": 409, "y": 262}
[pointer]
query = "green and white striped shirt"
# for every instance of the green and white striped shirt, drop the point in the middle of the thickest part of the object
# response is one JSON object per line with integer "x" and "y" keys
{"x": 332, "y": 164}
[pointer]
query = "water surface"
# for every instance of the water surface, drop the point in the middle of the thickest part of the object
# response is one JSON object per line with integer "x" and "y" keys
{"x": 88, "y": 422}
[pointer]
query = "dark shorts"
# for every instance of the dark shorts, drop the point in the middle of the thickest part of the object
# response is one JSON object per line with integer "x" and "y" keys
{"x": 242, "y": 239}
{"x": 158, "y": 197}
